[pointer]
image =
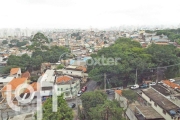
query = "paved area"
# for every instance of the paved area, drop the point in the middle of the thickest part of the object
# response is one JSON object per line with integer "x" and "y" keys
{"x": 91, "y": 85}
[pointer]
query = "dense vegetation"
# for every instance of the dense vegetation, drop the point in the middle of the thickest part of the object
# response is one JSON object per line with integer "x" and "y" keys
{"x": 172, "y": 34}
{"x": 97, "y": 107}
{"x": 26, "y": 62}
{"x": 64, "y": 112}
{"x": 133, "y": 57}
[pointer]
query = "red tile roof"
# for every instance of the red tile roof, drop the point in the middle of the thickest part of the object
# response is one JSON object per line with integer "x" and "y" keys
{"x": 171, "y": 84}
{"x": 63, "y": 79}
{"x": 14, "y": 83}
{"x": 26, "y": 74}
{"x": 14, "y": 71}
{"x": 82, "y": 68}
{"x": 118, "y": 92}
{"x": 35, "y": 86}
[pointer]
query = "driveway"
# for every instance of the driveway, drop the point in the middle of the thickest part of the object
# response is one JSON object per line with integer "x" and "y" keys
{"x": 91, "y": 85}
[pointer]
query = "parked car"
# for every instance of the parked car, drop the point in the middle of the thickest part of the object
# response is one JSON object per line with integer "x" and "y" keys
{"x": 160, "y": 82}
{"x": 72, "y": 105}
{"x": 110, "y": 92}
{"x": 143, "y": 86}
{"x": 136, "y": 86}
{"x": 79, "y": 93}
{"x": 84, "y": 89}
{"x": 153, "y": 83}
{"x": 172, "y": 80}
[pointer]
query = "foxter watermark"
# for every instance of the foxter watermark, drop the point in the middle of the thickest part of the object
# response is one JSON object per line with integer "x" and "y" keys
{"x": 102, "y": 61}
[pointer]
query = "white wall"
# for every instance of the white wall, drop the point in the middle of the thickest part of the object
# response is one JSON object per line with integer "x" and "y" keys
{"x": 130, "y": 114}
{"x": 73, "y": 73}
{"x": 157, "y": 108}
{"x": 66, "y": 89}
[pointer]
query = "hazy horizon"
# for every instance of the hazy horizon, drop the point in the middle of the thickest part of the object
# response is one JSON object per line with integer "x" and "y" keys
{"x": 84, "y": 14}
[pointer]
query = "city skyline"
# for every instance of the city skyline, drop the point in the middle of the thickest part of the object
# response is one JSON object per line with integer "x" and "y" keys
{"x": 87, "y": 14}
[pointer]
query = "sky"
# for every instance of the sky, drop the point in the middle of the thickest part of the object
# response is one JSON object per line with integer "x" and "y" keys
{"x": 87, "y": 13}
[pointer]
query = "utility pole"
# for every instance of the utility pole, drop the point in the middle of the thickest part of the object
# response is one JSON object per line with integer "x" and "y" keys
{"x": 105, "y": 81}
{"x": 136, "y": 76}
{"x": 157, "y": 75}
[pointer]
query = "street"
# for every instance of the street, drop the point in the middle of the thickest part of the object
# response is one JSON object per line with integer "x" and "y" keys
{"x": 91, "y": 85}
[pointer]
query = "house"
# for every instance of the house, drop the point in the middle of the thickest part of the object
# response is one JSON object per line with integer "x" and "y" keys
{"x": 5, "y": 80}
{"x": 16, "y": 85}
{"x": 24, "y": 97}
{"x": 46, "y": 82}
{"x": 121, "y": 99}
{"x": 161, "y": 104}
{"x": 15, "y": 72}
{"x": 67, "y": 85}
{"x": 26, "y": 75}
{"x": 35, "y": 88}
{"x": 74, "y": 71}
{"x": 147, "y": 113}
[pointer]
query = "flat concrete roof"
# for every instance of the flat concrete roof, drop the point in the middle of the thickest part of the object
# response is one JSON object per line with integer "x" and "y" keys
{"x": 148, "y": 112}
{"x": 160, "y": 100}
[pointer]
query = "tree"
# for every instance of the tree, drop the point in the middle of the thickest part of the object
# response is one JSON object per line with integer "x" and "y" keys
{"x": 36, "y": 62}
{"x": 64, "y": 112}
{"x": 60, "y": 66}
{"x": 19, "y": 44}
{"x": 130, "y": 95}
{"x": 122, "y": 72}
{"x": 92, "y": 99}
{"x": 6, "y": 69}
{"x": 110, "y": 110}
{"x": 4, "y": 42}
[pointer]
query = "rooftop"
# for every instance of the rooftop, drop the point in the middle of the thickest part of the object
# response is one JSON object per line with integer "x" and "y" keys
{"x": 14, "y": 83}
{"x": 6, "y": 79}
{"x": 160, "y": 100}
{"x": 162, "y": 89}
{"x": 64, "y": 79}
{"x": 48, "y": 76}
{"x": 26, "y": 74}
{"x": 148, "y": 112}
{"x": 118, "y": 92}
{"x": 34, "y": 85}
{"x": 171, "y": 84}
{"x": 14, "y": 71}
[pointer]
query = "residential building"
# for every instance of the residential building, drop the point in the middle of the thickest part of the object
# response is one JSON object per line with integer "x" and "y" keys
{"x": 5, "y": 80}
{"x": 68, "y": 86}
{"x": 15, "y": 72}
{"x": 147, "y": 113}
{"x": 26, "y": 75}
{"x": 16, "y": 85}
{"x": 121, "y": 99}
{"x": 161, "y": 104}
{"x": 46, "y": 82}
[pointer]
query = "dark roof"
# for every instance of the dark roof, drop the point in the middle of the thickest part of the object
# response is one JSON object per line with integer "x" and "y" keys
{"x": 139, "y": 117}
{"x": 161, "y": 89}
{"x": 148, "y": 112}
{"x": 160, "y": 100}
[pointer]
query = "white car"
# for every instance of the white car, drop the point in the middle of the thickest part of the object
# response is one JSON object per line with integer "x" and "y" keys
{"x": 153, "y": 83}
{"x": 172, "y": 80}
{"x": 136, "y": 86}
{"x": 79, "y": 93}
{"x": 160, "y": 82}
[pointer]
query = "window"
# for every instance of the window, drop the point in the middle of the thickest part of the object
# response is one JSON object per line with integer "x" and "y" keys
{"x": 164, "y": 111}
{"x": 71, "y": 72}
{"x": 150, "y": 99}
{"x": 61, "y": 89}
